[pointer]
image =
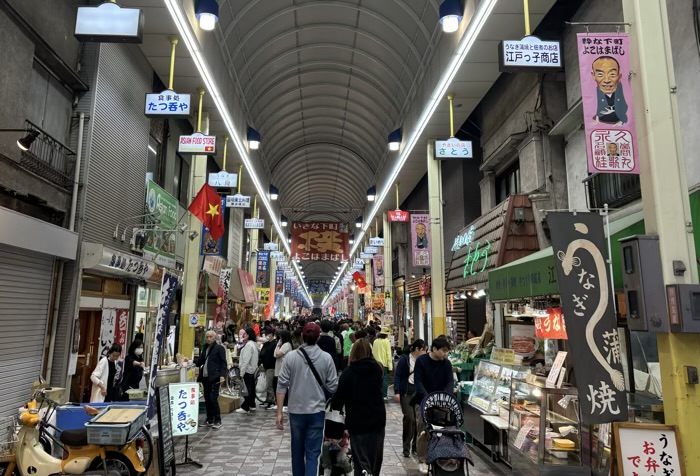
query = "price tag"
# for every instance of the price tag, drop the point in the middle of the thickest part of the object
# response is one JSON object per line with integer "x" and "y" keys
{"x": 524, "y": 431}
{"x": 556, "y": 370}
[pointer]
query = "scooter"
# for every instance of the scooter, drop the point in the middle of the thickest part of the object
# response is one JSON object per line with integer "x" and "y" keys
{"x": 79, "y": 457}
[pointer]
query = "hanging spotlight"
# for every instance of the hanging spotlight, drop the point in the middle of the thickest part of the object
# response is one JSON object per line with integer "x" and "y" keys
{"x": 395, "y": 140}
{"x": 25, "y": 142}
{"x": 207, "y": 12}
{"x": 289, "y": 237}
{"x": 254, "y": 139}
{"x": 462, "y": 295}
{"x": 480, "y": 293}
{"x": 358, "y": 222}
{"x": 352, "y": 239}
{"x": 274, "y": 193}
{"x": 450, "y": 15}
{"x": 284, "y": 221}
{"x": 371, "y": 193}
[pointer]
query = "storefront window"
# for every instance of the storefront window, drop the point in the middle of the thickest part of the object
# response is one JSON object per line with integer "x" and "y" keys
{"x": 508, "y": 182}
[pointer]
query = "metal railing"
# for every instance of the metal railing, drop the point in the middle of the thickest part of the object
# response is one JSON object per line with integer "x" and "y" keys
{"x": 49, "y": 158}
{"x": 614, "y": 189}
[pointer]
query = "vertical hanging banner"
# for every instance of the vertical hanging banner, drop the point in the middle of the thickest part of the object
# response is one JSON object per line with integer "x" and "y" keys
{"x": 580, "y": 252}
{"x": 378, "y": 266}
{"x": 222, "y": 297}
{"x": 262, "y": 267}
{"x": 167, "y": 296}
{"x": 420, "y": 240}
{"x": 320, "y": 241}
{"x": 608, "y": 106}
{"x": 279, "y": 289}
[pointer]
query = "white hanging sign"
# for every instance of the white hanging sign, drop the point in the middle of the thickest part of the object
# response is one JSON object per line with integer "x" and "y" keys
{"x": 270, "y": 246}
{"x": 453, "y": 149}
{"x": 167, "y": 103}
{"x": 197, "y": 143}
{"x": 376, "y": 241}
{"x": 223, "y": 179}
{"x": 238, "y": 201}
{"x": 254, "y": 224}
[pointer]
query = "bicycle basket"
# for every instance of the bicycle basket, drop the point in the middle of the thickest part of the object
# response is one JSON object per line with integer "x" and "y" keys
{"x": 8, "y": 438}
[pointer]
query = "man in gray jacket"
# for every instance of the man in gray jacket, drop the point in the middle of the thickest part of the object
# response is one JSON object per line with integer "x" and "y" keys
{"x": 307, "y": 399}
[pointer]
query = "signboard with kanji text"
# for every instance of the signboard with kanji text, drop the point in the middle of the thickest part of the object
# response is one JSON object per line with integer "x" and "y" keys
{"x": 453, "y": 149}
{"x": 397, "y": 216}
{"x": 238, "y": 201}
{"x": 529, "y": 55}
{"x": 648, "y": 450}
{"x": 320, "y": 241}
{"x": 184, "y": 408}
{"x": 254, "y": 224}
{"x": 167, "y": 103}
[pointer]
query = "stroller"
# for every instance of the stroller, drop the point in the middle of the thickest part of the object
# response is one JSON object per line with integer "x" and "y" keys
{"x": 447, "y": 449}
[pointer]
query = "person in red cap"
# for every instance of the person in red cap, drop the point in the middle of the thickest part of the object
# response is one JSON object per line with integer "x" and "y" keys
{"x": 308, "y": 375}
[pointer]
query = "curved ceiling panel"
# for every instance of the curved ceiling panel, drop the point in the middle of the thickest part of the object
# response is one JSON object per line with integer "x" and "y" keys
{"x": 325, "y": 82}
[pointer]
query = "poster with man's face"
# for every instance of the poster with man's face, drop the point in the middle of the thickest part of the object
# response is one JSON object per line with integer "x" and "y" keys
{"x": 420, "y": 240}
{"x": 608, "y": 109}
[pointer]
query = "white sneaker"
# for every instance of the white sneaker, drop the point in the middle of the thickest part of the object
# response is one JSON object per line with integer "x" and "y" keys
{"x": 273, "y": 407}
{"x": 423, "y": 468}
{"x": 253, "y": 409}
{"x": 284, "y": 410}
{"x": 241, "y": 410}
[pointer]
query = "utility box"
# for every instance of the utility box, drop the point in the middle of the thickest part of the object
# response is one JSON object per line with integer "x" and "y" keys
{"x": 643, "y": 283}
{"x": 684, "y": 307}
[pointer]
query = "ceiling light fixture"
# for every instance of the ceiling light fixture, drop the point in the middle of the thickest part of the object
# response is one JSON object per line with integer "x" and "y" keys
{"x": 352, "y": 239}
{"x": 450, "y": 15}
{"x": 284, "y": 221}
{"x": 371, "y": 193}
{"x": 465, "y": 44}
{"x": 184, "y": 28}
{"x": 254, "y": 139}
{"x": 207, "y": 12}
{"x": 395, "y": 140}
{"x": 274, "y": 193}
{"x": 358, "y": 222}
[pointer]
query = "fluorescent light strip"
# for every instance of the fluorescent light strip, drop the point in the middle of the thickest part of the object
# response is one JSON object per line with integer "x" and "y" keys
{"x": 184, "y": 27}
{"x": 466, "y": 42}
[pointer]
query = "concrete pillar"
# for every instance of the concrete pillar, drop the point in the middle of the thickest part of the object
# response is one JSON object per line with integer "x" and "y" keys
{"x": 437, "y": 243}
{"x": 488, "y": 191}
{"x": 388, "y": 270}
{"x": 665, "y": 200}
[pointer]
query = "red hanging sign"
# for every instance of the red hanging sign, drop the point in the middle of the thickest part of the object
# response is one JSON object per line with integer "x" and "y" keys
{"x": 552, "y": 326}
{"x": 397, "y": 216}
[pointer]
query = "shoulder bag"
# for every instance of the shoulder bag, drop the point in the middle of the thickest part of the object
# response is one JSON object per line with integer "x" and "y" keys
{"x": 326, "y": 393}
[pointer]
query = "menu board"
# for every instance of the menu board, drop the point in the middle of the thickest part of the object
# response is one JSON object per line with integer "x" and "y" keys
{"x": 166, "y": 450}
{"x": 648, "y": 450}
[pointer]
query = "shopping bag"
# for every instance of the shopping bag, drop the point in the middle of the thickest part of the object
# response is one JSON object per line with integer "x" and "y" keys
{"x": 335, "y": 424}
{"x": 261, "y": 384}
{"x": 244, "y": 388}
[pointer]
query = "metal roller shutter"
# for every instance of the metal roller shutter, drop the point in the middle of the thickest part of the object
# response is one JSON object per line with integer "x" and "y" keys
{"x": 25, "y": 290}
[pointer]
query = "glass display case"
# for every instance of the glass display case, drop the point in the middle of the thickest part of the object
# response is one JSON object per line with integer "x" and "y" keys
{"x": 544, "y": 435}
{"x": 492, "y": 383}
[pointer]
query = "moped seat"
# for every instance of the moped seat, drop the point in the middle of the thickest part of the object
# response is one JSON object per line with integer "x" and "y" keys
{"x": 74, "y": 437}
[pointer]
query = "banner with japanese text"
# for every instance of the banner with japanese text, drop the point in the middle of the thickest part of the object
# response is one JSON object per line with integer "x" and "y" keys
{"x": 608, "y": 106}
{"x": 420, "y": 239}
{"x": 320, "y": 241}
{"x": 262, "y": 267}
{"x": 222, "y": 298}
{"x": 318, "y": 287}
{"x": 167, "y": 296}
{"x": 279, "y": 289}
{"x": 581, "y": 254}
{"x": 378, "y": 268}
{"x": 552, "y": 326}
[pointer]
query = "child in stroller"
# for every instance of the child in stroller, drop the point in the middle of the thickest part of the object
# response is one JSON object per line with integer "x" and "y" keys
{"x": 447, "y": 449}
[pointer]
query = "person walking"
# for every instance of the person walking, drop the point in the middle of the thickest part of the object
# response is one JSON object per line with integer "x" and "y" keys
{"x": 360, "y": 393}
{"x": 404, "y": 390}
{"x": 382, "y": 353}
{"x": 327, "y": 341}
{"x": 284, "y": 346}
{"x": 308, "y": 376}
{"x": 133, "y": 369}
{"x": 103, "y": 388}
{"x": 267, "y": 357}
{"x": 347, "y": 343}
{"x": 212, "y": 373}
{"x": 433, "y": 373}
{"x": 248, "y": 364}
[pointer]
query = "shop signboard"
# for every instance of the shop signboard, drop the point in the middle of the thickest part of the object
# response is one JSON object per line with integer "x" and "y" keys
{"x": 320, "y": 241}
{"x": 167, "y": 296}
{"x": 608, "y": 105}
{"x": 261, "y": 269}
{"x": 551, "y": 326}
{"x": 254, "y": 224}
{"x": 397, "y": 216}
{"x": 184, "y": 408}
{"x": 503, "y": 356}
{"x": 238, "y": 201}
{"x": 376, "y": 241}
{"x": 247, "y": 285}
{"x": 163, "y": 210}
{"x": 371, "y": 250}
{"x": 378, "y": 267}
{"x": 197, "y": 143}
{"x": 223, "y": 179}
{"x": 213, "y": 265}
{"x": 529, "y": 55}
{"x": 581, "y": 254}
{"x": 283, "y": 266}
{"x": 167, "y": 103}
{"x": 645, "y": 449}
{"x": 197, "y": 320}
{"x": 270, "y": 246}
{"x": 364, "y": 256}
{"x": 263, "y": 294}
{"x": 109, "y": 23}
{"x": 537, "y": 277}
{"x": 453, "y": 148}
{"x": 277, "y": 255}
{"x": 420, "y": 240}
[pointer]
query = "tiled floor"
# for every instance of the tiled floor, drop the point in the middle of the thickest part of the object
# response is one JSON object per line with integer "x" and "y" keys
{"x": 251, "y": 444}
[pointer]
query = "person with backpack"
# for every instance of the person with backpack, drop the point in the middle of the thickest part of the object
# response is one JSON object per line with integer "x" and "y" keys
{"x": 308, "y": 375}
{"x": 404, "y": 390}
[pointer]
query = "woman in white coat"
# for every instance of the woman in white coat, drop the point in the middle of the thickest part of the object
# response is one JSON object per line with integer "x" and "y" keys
{"x": 103, "y": 376}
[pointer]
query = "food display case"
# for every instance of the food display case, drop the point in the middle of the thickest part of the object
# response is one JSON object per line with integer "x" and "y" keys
{"x": 544, "y": 435}
{"x": 486, "y": 412}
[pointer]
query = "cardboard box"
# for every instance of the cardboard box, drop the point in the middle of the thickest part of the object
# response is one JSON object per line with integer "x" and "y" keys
{"x": 228, "y": 404}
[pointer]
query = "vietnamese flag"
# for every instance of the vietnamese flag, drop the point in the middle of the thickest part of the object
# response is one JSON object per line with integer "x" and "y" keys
{"x": 357, "y": 276}
{"x": 207, "y": 207}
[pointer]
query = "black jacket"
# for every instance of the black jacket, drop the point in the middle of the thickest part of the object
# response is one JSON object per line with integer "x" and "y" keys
{"x": 360, "y": 392}
{"x": 401, "y": 374}
{"x": 216, "y": 364}
{"x": 132, "y": 373}
{"x": 327, "y": 344}
{"x": 267, "y": 355}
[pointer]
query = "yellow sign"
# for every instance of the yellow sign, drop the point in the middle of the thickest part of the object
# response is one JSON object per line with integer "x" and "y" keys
{"x": 197, "y": 320}
{"x": 263, "y": 294}
{"x": 502, "y": 356}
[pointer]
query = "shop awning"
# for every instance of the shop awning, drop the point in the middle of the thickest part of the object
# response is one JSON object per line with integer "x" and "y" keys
{"x": 535, "y": 275}
{"x": 105, "y": 260}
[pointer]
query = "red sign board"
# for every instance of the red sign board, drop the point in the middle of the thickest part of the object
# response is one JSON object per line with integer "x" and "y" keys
{"x": 398, "y": 216}
{"x": 320, "y": 241}
{"x": 552, "y": 326}
{"x": 248, "y": 285}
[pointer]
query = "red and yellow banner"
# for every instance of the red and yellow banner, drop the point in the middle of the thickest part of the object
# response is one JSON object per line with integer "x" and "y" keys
{"x": 320, "y": 241}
